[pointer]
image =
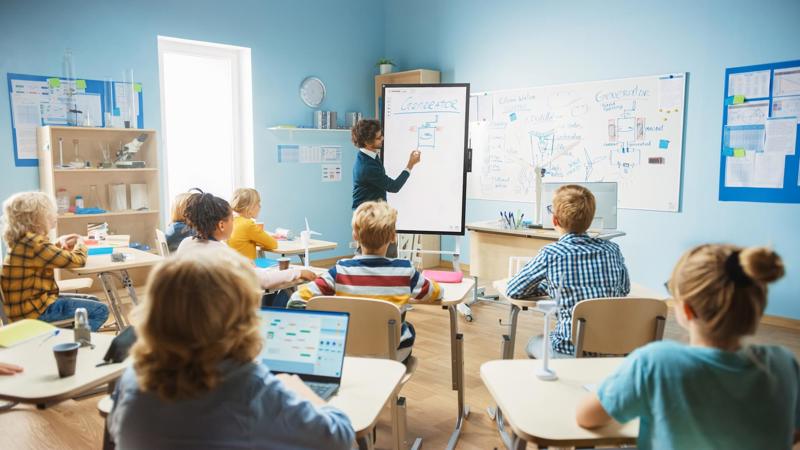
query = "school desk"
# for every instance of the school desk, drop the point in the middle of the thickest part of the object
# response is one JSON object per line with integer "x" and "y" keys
{"x": 105, "y": 270}
{"x": 543, "y": 412}
{"x": 295, "y": 247}
{"x": 39, "y": 382}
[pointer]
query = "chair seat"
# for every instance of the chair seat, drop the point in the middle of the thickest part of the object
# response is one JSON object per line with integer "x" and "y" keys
{"x": 75, "y": 284}
{"x": 105, "y": 405}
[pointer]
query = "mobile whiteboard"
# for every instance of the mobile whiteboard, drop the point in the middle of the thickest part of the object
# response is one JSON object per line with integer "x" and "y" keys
{"x": 433, "y": 119}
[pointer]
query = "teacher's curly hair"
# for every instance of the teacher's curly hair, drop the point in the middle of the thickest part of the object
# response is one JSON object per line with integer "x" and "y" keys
{"x": 365, "y": 131}
{"x": 204, "y": 211}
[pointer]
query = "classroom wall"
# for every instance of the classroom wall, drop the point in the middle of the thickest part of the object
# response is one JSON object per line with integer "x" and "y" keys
{"x": 339, "y": 41}
{"x": 509, "y": 44}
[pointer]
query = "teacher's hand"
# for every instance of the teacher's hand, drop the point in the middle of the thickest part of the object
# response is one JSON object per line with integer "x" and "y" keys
{"x": 413, "y": 159}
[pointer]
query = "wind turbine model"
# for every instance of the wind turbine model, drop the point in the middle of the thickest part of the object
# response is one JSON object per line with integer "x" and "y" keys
{"x": 305, "y": 239}
{"x": 547, "y": 307}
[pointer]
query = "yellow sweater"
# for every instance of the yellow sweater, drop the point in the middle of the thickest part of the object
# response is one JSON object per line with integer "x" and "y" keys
{"x": 246, "y": 235}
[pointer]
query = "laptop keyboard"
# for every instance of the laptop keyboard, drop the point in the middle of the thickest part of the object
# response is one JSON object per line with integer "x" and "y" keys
{"x": 324, "y": 390}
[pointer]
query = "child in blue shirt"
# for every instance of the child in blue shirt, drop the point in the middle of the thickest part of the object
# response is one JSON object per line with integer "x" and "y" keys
{"x": 579, "y": 266}
{"x": 716, "y": 392}
{"x": 178, "y": 229}
{"x": 195, "y": 381}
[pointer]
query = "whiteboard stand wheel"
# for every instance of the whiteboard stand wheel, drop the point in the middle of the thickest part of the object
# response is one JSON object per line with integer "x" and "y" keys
{"x": 465, "y": 311}
{"x": 469, "y": 318}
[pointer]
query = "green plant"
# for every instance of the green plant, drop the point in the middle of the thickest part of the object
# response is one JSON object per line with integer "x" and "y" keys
{"x": 384, "y": 61}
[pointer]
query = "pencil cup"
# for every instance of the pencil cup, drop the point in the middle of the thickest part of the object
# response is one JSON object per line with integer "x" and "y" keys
{"x": 66, "y": 356}
{"x": 283, "y": 263}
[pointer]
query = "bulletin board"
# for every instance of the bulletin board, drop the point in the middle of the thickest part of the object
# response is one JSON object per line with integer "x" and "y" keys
{"x": 38, "y": 100}
{"x": 759, "y": 147}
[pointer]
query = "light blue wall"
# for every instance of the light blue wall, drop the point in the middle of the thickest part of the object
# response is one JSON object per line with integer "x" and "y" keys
{"x": 339, "y": 41}
{"x": 508, "y": 44}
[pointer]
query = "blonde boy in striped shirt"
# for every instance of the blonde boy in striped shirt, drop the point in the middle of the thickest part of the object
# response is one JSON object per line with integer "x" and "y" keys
{"x": 372, "y": 274}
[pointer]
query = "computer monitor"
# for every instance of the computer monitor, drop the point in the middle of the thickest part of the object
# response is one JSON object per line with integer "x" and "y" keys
{"x": 605, "y": 195}
{"x": 310, "y": 344}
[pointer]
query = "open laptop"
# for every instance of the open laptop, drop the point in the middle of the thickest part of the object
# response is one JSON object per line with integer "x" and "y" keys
{"x": 309, "y": 344}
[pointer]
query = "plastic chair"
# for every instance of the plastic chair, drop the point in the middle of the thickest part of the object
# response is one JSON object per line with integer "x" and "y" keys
{"x": 616, "y": 326}
{"x": 374, "y": 332}
{"x": 161, "y": 241}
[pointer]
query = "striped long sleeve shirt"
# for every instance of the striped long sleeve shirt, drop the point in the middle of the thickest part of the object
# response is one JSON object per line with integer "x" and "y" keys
{"x": 582, "y": 267}
{"x": 369, "y": 276}
{"x": 28, "y": 282}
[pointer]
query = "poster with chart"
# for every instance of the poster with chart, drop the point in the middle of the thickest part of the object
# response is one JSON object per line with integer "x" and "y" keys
{"x": 432, "y": 119}
{"x": 629, "y": 131}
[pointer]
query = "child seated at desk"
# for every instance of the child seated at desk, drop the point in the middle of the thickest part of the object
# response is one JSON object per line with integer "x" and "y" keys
{"x": 194, "y": 382}
{"x": 371, "y": 274}
{"x": 579, "y": 266}
{"x": 716, "y": 392}
{"x": 246, "y": 204}
{"x": 212, "y": 220}
{"x": 178, "y": 229}
{"x": 28, "y": 282}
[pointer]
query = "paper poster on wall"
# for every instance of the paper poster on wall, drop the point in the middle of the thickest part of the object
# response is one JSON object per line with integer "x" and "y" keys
{"x": 781, "y": 134}
{"x": 786, "y": 107}
{"x": 750, "y": 113}
{"x": 749, "y": 84}
{"x": 786, "y": 82}
{"x": 331, "y": 173}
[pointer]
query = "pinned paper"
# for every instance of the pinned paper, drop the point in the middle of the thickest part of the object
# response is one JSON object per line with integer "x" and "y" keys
{"x": 739, "y": 153}
{"x": 663, "y": 143}
{"x": 80, "y": 84}
{"x": 54, "y": 82}
{"x": 137, "y": 87}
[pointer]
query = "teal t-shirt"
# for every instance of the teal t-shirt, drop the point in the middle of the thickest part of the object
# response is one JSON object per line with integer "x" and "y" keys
{"x": 704, "y": 398}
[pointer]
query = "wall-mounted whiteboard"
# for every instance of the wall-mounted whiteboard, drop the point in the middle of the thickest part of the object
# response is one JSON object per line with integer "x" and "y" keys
{"x": 629, "y": 131}
{"x": 433, "y": 119}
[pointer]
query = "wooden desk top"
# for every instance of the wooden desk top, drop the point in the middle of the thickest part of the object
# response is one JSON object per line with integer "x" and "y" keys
{"x": 456, "y": 293}
{"x": 544, "y": 411}
{"x": 295, "y": 247}
{"x": 494, "y": 226}
{"x": 637, "y": 291}
{"x": 39, "y": 382}
{"x": 298, "y": 281}
{"x": 102, "y": 263}
{"x": 367, "y": 384}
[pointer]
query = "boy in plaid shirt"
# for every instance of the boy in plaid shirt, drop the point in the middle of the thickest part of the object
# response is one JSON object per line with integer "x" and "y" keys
{"x": 580, "y": 266}
{"x": 28, "y": 282}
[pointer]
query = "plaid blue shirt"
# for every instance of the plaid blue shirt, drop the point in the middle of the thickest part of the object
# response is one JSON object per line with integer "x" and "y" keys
{"x": 583, "y": 267}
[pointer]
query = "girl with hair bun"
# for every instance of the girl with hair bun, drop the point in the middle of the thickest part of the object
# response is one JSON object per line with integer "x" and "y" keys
{"x": 716, "y": 392}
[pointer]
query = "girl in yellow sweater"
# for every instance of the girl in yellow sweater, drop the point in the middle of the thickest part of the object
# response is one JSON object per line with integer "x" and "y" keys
{"x": 246, "y": 204}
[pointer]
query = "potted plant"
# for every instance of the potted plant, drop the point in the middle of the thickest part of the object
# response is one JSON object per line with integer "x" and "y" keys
{"x": 385, "y": 65}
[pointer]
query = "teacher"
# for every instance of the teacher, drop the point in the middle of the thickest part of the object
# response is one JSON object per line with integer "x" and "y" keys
{"x": 370, "y": 181}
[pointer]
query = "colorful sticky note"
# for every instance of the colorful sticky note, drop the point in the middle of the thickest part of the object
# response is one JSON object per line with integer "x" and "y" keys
{"x": 54, "y": 82}
{"x": 727, "y": 151}
{"x": 513, "y": 116}
{"x": 80, "y": 84}
{"x": 663, "y": 143}
{"x": 738, "y": 99}
{"x": 137, "y": 87}
{"x": 116, "y": 111}
{"x": 738, "y": 152}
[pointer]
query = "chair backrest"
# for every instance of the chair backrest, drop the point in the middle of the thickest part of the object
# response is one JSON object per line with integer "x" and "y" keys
{"x": 516, "y": 263}
{"x": 161, "y": 240}
{"x": 375, "y": 325}
{"x": 617, "y": 326}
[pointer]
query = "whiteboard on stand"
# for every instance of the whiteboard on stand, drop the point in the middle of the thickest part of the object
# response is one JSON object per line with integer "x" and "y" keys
{"x": 433, "y": 119}
{"x": 629, "y": 131}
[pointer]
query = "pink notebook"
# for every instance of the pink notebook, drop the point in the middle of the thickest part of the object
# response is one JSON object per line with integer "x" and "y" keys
{"x": 443, "y": 276}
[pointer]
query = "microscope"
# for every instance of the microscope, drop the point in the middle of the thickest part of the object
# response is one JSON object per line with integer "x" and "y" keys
{"x": 127, "y": 151}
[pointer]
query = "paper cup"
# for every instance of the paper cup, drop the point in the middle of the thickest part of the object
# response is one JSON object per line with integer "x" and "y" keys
{"x": 66, "y": 356}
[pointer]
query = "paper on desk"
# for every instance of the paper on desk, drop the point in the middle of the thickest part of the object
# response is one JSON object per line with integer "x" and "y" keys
{"x": 781, "y": 133}
{"x": 749, "y": 84}
{"x": 786, "y": 81}
{"x": 786, "y": 106}
{"x": 752, "y": 113}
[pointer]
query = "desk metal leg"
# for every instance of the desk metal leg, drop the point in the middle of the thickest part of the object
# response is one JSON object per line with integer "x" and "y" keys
{"x": 519, "y": 443}
{"x": 457, "y": 366}
{"x": 107, "y": 281}
{"x": 509, "y": 340}
{"x": 366, "y": 442}
{"x": 128, "y": 283}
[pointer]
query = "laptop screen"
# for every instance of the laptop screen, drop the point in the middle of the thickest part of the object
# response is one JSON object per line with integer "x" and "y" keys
{"x": 304, "y": 342}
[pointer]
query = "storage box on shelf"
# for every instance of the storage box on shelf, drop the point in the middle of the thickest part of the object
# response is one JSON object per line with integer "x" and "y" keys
{"x": 140, "y": 225}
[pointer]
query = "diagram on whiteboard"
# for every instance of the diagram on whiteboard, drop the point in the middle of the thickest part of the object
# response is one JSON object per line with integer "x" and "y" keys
{"x": 426, "y": 133}
{"x": 628, "y": 131}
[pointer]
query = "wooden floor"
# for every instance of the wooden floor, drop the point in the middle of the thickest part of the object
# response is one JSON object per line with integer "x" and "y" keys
{"x": 431, "y": 402}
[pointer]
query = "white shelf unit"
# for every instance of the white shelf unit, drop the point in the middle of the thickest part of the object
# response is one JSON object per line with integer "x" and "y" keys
{"x": 140, "y": 225}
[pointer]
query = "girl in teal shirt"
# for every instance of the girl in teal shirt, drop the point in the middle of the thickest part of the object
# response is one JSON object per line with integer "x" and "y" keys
{"x": 716, "y": 392}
